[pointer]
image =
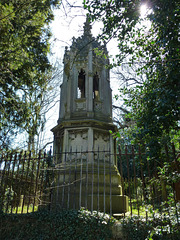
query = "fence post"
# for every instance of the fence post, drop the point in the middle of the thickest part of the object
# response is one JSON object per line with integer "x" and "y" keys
{"x": 8, "y": 174}
{"x": 92, "y": 182}
{"x": 37, "y": 178}
{"x": 64, "y": 176}
{"x": 87, "y": 162}
{"x": 69, "y": 184}
{"x": 104, "y": 193}
{"x": 135, "y": 179}
{"x": 110, "y": 182}
{"x": 122, "y": 179}
{"x": 80, "y": 187}
{"x": 12, "y": 177}
{"x": 129, "y": 185}
{"x": 176, "y": 191}
{"x": 41, "y": 192}
{"x": 49, "y": 165}
{"x": 98, "y": 182}
{"x": 23, "y": 163}
{"x": 32, "y": 182}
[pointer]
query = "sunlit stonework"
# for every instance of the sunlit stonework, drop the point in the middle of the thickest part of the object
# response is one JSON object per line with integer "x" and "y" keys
{"x": 85, "y": 119}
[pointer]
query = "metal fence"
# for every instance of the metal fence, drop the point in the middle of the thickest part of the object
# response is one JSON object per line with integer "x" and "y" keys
{"x": 89, "y": 179}
{"x": 152, "y": 186}
{"x": 23, "y": 180}
{"x": 85, "y": 179}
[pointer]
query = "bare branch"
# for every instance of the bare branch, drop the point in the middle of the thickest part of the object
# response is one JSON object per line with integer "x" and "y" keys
{"x": 46, "y": 145}
{"x": 122, "y": 109}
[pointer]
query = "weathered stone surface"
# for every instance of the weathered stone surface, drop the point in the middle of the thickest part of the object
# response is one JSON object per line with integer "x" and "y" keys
{"x": 80, "y": 186}
{"x": 117, "y": 231}
{"x": 85, "y": 119}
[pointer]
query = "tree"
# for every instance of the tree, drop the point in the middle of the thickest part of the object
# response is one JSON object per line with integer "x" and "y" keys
{"x": 127, "y": 79}
{"x": 24, "y": 65}
{"x": 41, "y": 101}
{"x": 154, "y": 104}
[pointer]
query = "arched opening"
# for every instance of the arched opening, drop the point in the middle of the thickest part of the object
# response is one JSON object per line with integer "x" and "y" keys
{"x": 81, "y": 84}
{"x": 96, "y": 86}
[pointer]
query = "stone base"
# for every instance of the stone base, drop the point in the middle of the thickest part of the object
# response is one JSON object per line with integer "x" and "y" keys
{"x": 119, "y": 203}
{"x": 98, "y": 190}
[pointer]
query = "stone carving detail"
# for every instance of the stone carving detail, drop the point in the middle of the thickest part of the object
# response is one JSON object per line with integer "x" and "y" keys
{"x": 84, "y": 135}
{"x": 97, "y": 106}
{"x": 80, "y": 105}
{"x": 101, "y": 135}
{"x": 101, "y": 141}
{"x": 78, "y": 140}
{"x": 72, "y": 136}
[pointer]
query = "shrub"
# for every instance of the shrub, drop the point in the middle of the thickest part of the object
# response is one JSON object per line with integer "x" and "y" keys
{"x": 160, "y": 227}
{"x": 66, "y": 224}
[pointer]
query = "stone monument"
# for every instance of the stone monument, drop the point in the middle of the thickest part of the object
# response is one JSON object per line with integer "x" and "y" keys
{"x": 85, "y": 119}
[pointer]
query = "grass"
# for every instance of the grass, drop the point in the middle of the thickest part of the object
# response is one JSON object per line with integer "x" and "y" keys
{"x": 141, "y": 209}
{"x": 26, "y": 209}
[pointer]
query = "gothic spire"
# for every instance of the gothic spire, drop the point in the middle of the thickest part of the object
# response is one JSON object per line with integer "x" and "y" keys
{"x": 87, "y": 27}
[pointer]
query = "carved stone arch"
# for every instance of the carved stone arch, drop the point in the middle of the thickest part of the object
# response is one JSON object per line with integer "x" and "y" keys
{"x": 96, "y": 79}
{"x": 81, "y": 84}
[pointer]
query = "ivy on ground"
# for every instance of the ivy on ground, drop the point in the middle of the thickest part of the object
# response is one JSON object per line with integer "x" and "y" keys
{"x": 67, "y": 224}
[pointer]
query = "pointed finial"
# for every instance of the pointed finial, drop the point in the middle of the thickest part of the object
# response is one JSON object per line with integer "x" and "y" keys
{"x": 87, "y": 27}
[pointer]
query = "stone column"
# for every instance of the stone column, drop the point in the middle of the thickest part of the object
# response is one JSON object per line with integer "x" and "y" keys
{"x": 65, "y": 142}
{"x": 90, "y": 83}
{"x": 112, "y": 149}
{"x": 90, "y": 143}
{"x": 74, "y": 88}
{"x": 68, "y": 97}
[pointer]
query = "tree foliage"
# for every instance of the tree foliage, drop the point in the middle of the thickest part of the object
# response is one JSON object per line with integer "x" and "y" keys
{"x": 24, "y": 65}
{"x": 155, "y": 103}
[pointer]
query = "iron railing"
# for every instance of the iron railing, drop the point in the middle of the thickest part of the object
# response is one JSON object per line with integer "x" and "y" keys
{"x": 88, "y": 179}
